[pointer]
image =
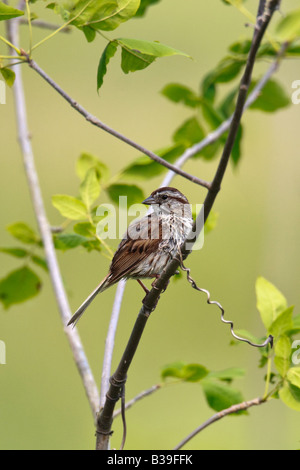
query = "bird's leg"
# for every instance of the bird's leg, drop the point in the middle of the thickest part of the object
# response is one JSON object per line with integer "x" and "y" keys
{"x": 157, "y": 276}
{"x": 143, "y": 286}
{"x": 154, "y": 283}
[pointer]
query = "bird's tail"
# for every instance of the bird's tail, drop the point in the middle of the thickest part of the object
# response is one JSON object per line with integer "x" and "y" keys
{"x": 78, "y": 314}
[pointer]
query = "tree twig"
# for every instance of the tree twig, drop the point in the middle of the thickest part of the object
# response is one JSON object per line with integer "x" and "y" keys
{"x": 110, "y": 341}
{"x": 45, "y": 25}
{"x": 96, "y": 122}
{"x": 222, "y": 414}
{"x": 105, "y": 417}
{"x": 139, "y": 397}
{"x": 45, "y": 231}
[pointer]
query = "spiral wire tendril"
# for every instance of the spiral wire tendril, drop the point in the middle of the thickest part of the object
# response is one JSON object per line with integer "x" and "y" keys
{"x": 269, "y": 340}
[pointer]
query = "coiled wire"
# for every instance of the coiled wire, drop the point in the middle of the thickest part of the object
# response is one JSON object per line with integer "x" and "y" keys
{"x": 269, "y": 340}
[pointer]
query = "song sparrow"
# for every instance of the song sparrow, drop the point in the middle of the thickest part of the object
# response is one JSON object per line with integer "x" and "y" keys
{"x": 149, "y": 243}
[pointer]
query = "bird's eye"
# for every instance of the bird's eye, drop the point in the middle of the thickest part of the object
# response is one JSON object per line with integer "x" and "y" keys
{"x": 164, "y": 197}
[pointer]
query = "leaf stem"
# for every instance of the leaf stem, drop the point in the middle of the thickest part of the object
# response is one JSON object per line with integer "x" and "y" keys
{"x": 29, "y": 26}
{"x": 8, "y": 43}
{"x": 50, "y": 36}
{"x": 11, "y": 57}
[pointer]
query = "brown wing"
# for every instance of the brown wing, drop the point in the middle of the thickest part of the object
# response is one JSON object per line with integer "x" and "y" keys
{"x": 132, "y": 252}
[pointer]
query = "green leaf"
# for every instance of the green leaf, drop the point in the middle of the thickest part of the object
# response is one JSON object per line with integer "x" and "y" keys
{"x": 194, "y": 372}
{"x": 93, "y": 245}
{"x": 7, "y": 12}
{"x": 283, "y": 351}
{"x": 16, "y": 252}
{"x": 293, "y": 376}
{"x": 272, "y": 97}
{"x": 132, "y": 61}
{"x": 41, "y": 262}
{"x": 89, "y": 33}
{"x": 227, "y": 105}
{"x": 296, "y": 326}
{"x": 18, "y": 286}
{"x": 139, "y": 54}
{"x": 145, "y": 168}
{"x": 144, "y": 6}
{"x": 69, "y": 207}
{"x": 8, "y": 75}
{"x": 181, "y": 94}
{"x": 108, "y": 53}
{"x": 212, "y": 116}
{"x": 185, "y": 372}
{"x": 86, "y": 161}
{"x": 189, "y": 133}
{"x": 227, "y": 375}
{"x": 23, "y": 232}
{"x": 106, "y": 15}
{"x": 220, "y": 396}
{"x": 86, "y": 229}
{"x": 172, "y": 370}
{"x": 227, "y": 69}
{"x": 290, "y": 395}
{"x": 152, "y": 48}
{"x": 69, "y": 241}
{"x": 90, "y": 188}
{"x": 282, "y": 323}
{"x": 60, "y": 9}
{"x": 270, "y": 301}
{"x": 133, "y": 193}
{"x": 294, "y": 48}
{"x": 289, "y": 27}
{"x": 209, "y": 152}
{"x": 21, "y": 253}
{"x": 241, "y": 47}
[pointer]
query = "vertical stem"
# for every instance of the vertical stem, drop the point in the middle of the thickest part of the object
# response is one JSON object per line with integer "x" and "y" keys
{"x": 110, "y": 341}
{"x": 44, "y": 228}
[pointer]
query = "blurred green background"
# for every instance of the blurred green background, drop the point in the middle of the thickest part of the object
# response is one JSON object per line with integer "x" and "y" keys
{"x": 43, "y": 404}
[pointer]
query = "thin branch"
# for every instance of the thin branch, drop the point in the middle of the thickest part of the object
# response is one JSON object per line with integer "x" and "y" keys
{"x": 96, "y": 122}
{"x": 105, "y": 416}
{"x": 139, "y": 397}
{"x": 45, "y": 25}
{"x": 263, "y": 21}
{"x": 225, "y": 126}
{"x": 233, "y": 409}
{"x": 110, "y": 341}
{"x": 45, "y": 231}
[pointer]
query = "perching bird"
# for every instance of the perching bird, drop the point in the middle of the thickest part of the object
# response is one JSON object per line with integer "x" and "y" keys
{"x": 149, "y": 244}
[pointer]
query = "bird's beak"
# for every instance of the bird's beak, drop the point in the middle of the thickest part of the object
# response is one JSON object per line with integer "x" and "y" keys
{"x": 150, "y": 200}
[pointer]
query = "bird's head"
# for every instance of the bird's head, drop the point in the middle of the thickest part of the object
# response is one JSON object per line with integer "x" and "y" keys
{"x": 168, "y": 200}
